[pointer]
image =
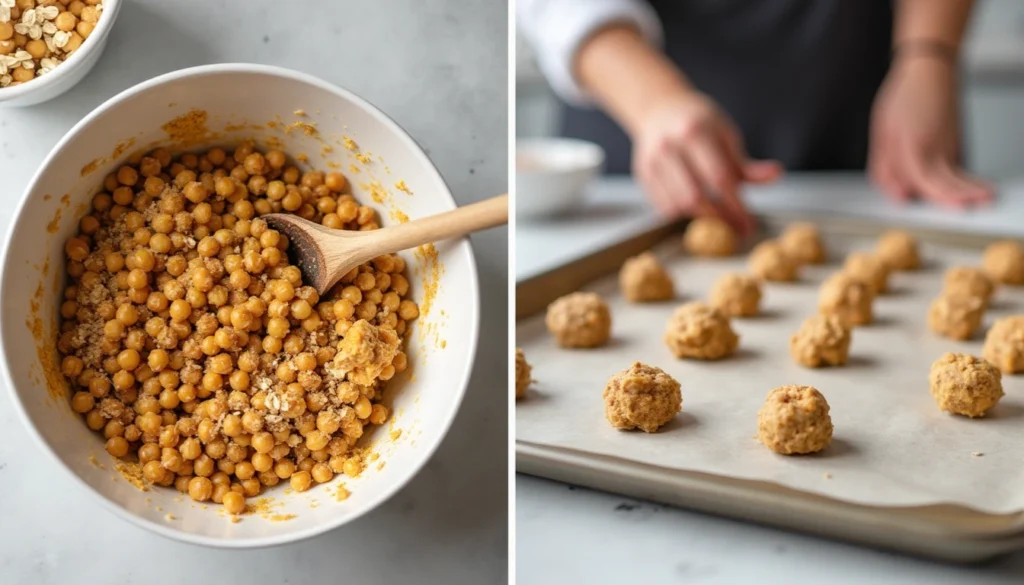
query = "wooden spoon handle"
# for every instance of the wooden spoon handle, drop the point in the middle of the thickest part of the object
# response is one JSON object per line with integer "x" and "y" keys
{"x": 450, "y": 224}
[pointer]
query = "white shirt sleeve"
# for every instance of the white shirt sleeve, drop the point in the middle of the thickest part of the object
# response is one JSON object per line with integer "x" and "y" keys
{"x": 557, "y": 28}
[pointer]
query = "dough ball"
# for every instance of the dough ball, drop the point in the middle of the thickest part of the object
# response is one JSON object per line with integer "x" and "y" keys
{"x": 968, "y": 281}
{"x": 769, "y": 261}
{"x": 709, "y": 236}
{"x": 802, "y": 242}
{"x": 847, "y": 298}
{"x": 822, "y": 340}
{"x": 964, "y": 384}
{"x": 956, "y": 316}
{"x": 736, "y": 295}
{"x": 643, "y": 279}
{"x": 898, "y": 250}
{"x": 523, "y": 370}
{"x": 579, "y": 319}
{"x": 1004, "y": 344}
{"x": 642, "y": 397}
{"x": 1004, "y": 262}
{"x": 794, "y": 420}
{"x": 699, "y": 331}
{"x": 869, "y": 269}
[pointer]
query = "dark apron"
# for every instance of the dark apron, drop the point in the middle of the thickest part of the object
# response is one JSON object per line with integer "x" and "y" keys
{"x": 797, "y": 76}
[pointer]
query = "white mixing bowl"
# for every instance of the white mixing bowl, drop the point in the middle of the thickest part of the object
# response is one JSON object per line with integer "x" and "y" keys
{"x": 70, "y": 72}
{"x": 238, "y": 102}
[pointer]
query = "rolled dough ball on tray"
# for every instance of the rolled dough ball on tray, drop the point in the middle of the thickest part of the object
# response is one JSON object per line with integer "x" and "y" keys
{"x": 802, "y": 242}
{"x": 709, "y": 236}
{"x": 579, "y": 320}
{"x": 643, "y": 279}
{"x": 769, "y": 261}
{"x": 964, "y": 384}
{"x": 641, "y": 397}
{"x": 795, "y": 420}
{"x": 699, "y": 331}
{"x": 823, "y": 340}
{"x": 736, "y": 295}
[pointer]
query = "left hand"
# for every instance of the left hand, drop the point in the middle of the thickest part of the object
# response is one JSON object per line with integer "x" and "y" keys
{"x": 915, "y": 136}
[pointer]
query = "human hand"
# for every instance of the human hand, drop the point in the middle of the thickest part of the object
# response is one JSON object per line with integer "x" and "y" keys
{"x": 915, "y": 137}
{"x": 689, "y": 157}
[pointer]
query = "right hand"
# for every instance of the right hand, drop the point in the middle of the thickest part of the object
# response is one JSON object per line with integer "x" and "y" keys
{"x": 689, "y": 157}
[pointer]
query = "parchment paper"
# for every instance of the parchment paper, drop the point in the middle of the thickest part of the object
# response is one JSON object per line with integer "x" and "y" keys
{"x": 892, "y": 446}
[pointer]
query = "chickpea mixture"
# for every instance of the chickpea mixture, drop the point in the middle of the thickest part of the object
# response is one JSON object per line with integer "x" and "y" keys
{"x": 38, "y": 35}
{"x": 193, "y": 345}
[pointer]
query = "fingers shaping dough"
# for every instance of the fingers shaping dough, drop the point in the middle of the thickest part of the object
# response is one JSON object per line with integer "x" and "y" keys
{"x": 968, "y": 281}
{"x": 802, "y": 242}
{"x": 956, "y": 316}
{"x": 847, "y": 298}
{"x": 579, "y": 319}
{"x": 1004, "y": 262}
{"x": 898, "y": 250}
{"x": 1004, "y": 344}
{"x": 699, "y": 331}
{"x": 964, "y": 384}
{"x": 709, "y": 236}
{"x": 642, "y": 397}
{"x": 643, "y": 279}
{"x": 869, "y": 269}
{"x": 822, "y": 340}
{"x": 769, "y": 261}
{"x": 736, "y": 295}
{"x": 523, "y": 371}
{"x": 794, "y": 420}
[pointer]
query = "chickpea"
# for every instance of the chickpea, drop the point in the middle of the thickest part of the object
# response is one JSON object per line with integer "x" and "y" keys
{"x": 335, "y": 181}
{"x": 21, "y": 74}
{"x": 301, "y": 481}
{"x": 82, "y": 402}
{"x": 36, "y": 48}
{"x": 117, "y": 447}
{"x": 200, "y": 489}
{"x": 352, "y": 467}
{"x": 127, "y": 176}
{"x": 378, "y": 414}
{"x": 322, "y": 473}
{"x": 234, "y": 503}
{"x": 154, "y": 472}
{"x": 408, "y": 310}
{"x": 277, "y": 327}
{"x": 347, "y": 211}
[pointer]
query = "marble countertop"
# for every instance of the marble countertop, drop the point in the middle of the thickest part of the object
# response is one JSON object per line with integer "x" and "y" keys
{"x": 562, "y": 529}
{"x": 410, "y": 58}
{"x": 567, "y": 534}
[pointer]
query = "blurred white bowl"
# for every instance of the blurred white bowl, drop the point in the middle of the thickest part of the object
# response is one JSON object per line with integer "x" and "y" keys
{"x": 552, "y": 174}
{"x": 238, "y": 100}
{"x": 67, "y": 74}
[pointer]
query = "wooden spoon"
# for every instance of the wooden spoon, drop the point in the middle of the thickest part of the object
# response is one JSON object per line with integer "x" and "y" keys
{"x": 325, "y": 255}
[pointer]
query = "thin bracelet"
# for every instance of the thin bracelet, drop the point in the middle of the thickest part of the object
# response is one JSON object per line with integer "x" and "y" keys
{"x": 926, "y": 48}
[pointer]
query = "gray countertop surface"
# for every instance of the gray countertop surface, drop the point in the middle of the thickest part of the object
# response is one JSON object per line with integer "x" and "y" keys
{"x": 410, "y": 58}
{"x": 561, "y": 530}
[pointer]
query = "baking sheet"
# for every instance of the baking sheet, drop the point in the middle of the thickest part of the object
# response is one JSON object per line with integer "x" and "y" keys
{"x": 892, "y": 446}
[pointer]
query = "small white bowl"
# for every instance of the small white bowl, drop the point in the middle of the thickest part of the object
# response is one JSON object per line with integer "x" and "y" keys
{"x": 552, "y": 174}
{"x": 239, "y": 101}
{"x": 70, "y": 72}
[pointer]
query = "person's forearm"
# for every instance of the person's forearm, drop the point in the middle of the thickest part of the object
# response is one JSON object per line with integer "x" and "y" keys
{"x": 938, "y": 21}
{"x": 627, "y": 75}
